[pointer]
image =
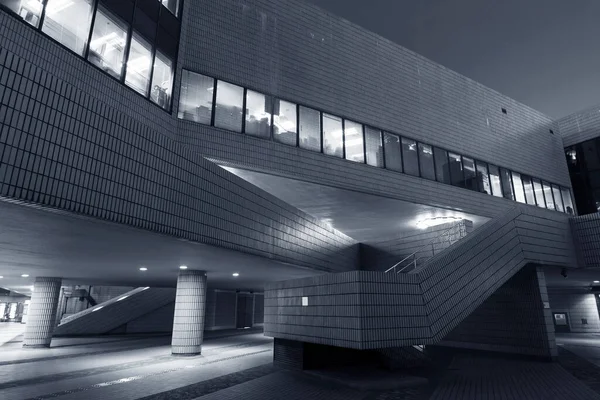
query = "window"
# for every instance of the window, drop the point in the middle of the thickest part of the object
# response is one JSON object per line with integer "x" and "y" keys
{"x": 442, "y": 165}
{"x": 410, "y": 157}
{"x": 426, "y": 161}
{"x": 172, "y": 5}
{"x": 354, "y": 142}
{"x": 310, "y": 129}
{"x": 228, "y": 107}
{"x": 483, "y": 178}
{"x": 392, "y": 151}
{"x": 495, "y": 181}
{"x": 558, "y": 204}
{"x": 539, "y": 193}
{"x": 456, "y": 170}
{"x": 548, "y": 196}
{"x": 162, "y": 81}
{"x": 507, "y": 188}
{"x": 139, "y": 65}
{"x": 68, "y": 22}
{"x": 503, "y": 110}
{"x": 258, "y": 114}
{"x": 518, "y": 186}
{"x": 285, "y": 122}
{"x": 374, "y": 147}
{"x": 529, "y": 192}
{"x": 109, "y": 38}
{"x": 196, "y": 97}
{"x": 333, "y": 136}
{"x": 470, "y": 173}
{"x": 29, "y": 10}
{"x": 566, "y": 196}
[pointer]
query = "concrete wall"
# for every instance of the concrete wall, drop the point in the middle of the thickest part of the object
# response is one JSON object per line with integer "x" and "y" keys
{"x": 581, "y": 126}
{"x": 578, "y": 304}
{"x": 157, "y": 321}
{"x": 586, "y": 232}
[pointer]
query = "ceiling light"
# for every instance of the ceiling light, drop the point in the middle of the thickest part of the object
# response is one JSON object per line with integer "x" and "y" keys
{"x": 32, "y": 288}
{"x": 596, "y": 281}
{"x": 143, "y": 269}
{"x": 429, "y": 222}
{"x": 183, "y": 267}
{"x": 1, "y": 277}
{"x": 25, "y": 276}
{"x": 235, "y": 274}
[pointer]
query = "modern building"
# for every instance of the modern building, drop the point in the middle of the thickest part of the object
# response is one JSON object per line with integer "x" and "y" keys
{"x": 279, "y": 165}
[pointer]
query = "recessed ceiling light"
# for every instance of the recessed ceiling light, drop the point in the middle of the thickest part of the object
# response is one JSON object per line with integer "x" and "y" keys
{"x": 1, "y": 277}
{"x": 235, "y": 274}
{"x": 143, "y": 269}
{"x": 596, "y": 281}
{"x": 183, "y": 267}
{"x": 25, "y": 276}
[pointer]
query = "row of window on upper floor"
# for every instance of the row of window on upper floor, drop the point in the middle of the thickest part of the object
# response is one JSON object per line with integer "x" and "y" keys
{"x": 224, "y": 105}
{"x": 134, "y": 41}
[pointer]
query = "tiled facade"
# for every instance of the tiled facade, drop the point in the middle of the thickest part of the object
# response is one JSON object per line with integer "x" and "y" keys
{"x": 580, "y": 306}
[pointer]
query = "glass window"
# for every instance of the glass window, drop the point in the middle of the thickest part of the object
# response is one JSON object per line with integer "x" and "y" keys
{"x": 410, "y": 157}
{"x": 162, "y": 81}
{"x": 139, "y": 64}
{"x": 392, "y": 151}
{"x": 566, "y": 196}
{"x": 507, "y": 187}
{"x": 285, "y": 122}
{"x": 426, "y": 161}
{"x": 172, "y": 5}
{"x": 196, "y": 97}
{"x": 29, "y": 10}
{"x": 333, "y": 136}
{"x": 107, "y": 47}
{"x": 470, "y": 174}
{"x": 539, "y": 193}
{"x": 310, "y": 129}
{"x": 258, "y": 114}
{"x": 374, "y": 147}
{"x": 228, "y": 108}
{"x": 518, "y": 187}
{"x": 456, "y": 169}
{"x": 442, "y": 165}
{"x": 495, "y": 181}
{"x": 529, "y": 193}
{"x": 557, "y": 198}
{"x": 354, "y": 142}
{"x": 548, "y": 196}
{"x": 68, "y": 22}
{"x": 483, "y": 177}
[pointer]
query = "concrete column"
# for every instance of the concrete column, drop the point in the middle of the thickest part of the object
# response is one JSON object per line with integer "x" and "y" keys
{"x": 190, "y": 307}
{"x": 41, "y": 316}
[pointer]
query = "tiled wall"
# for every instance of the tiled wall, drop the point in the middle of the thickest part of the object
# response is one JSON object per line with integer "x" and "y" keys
{"x": 364, "y": 309}
{"x": 586, "y": 231}
{"x": 259, "y": 309}
{"x": 578, "y": 304}
{"x": 157, "y": 321}
{"x": 581, "y": 126}
{"x": 73, "y": 139}
{"x": 512, "y": 320}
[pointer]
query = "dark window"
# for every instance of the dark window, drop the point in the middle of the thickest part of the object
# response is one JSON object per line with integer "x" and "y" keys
{"x": 228, "y": 109}
{"x": 503, "y": 110}
{"x": 507, "y": 188}
{"x": 285, "y": 122}
{"x": 528, "y": 188}
{"x": 426, "y": 161}
{"x": 483, "y": 178}
{"x": 354, "y": 141}
{"x": 456, "y": 170}
{"x": 150, "y": 7}
{"x": 123, "y": 8}
{"x": 144, "y": 24}
{"x": 258, "y": 114}
{"x": 539, "y": 193}
{"x": 518, "y": 186}
{"x": 310, "y": 129}
{"x": 551, "y": 131}
{"x": 584, "y": 321}
{"x": 69, "y": 23}
{"x": 196, "y": 97}
{"x": 410, "y": 157}
{"x": 166, "y": 43}
{"x": 333, "y": 136}
{"x": 171, "y": 5}
{"x": 374, "y": 147}
{"x": 470, "y": 173}
{"x": 442, "y": 165}
{"x": 393, "y": 152}
{"x": 495, "y": 180}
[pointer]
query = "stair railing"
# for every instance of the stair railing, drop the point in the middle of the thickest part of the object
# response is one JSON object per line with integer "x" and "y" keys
{"x": 413, "y": 258}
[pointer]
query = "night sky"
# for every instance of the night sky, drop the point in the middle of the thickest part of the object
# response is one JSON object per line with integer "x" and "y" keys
{"x": 544, "y": 53}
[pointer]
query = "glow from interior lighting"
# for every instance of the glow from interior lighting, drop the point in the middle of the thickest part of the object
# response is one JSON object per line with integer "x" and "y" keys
{"x": 143, "y": 269}
{"x": 34, "y": 5}
{"x": 32, "y": 288}
{"x": 596, "y": 281}
{"x": 183, "y": 267}
{"x": 429, "y": 222}
{"x": 122, "y": 298}
{"x": 54, "y": 7}
{"x": 25, "y": 276}
{"x": 1, "y": 277}
{"x": 112, "y": 38}
{"x": 139, "y": 64}
{"x": 147, "y": 287}
{"x": 236, "y": 274}
{"x": 98, "y": 308}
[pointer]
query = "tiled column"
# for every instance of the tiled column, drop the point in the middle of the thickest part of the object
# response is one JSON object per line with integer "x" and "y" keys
{"x": 41, "y": 316}
{"x": 190, "y": 306}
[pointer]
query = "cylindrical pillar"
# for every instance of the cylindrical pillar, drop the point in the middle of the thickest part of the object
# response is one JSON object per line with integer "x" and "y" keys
{"x": 190, "y": 306}
{"x": 41, "y": 316}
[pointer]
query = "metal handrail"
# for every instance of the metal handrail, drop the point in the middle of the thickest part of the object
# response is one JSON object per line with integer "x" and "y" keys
{"x": 419, "y": 250}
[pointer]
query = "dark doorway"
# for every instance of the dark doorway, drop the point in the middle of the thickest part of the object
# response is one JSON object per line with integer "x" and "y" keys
{"x": 245, "y": 306}
{"x": 561, "y": 322}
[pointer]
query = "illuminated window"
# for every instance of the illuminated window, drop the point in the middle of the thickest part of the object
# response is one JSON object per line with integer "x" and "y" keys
{"x": 426, "y": 161}
{"x": 393, "y": 152}
{"x": 374, "y": 147}
{"x": 548, "y": 195}
{"x": 333, "y": 138}
{"x": 196, "y": 97}
{"x": 539, "y": 193}
{"x": 470, "y": 173}
{"x": 568, "y": 201}
{"x": 558, "y": 204}
{"x": 507, "y": 187}
{"x": 139, "y": 65}
{"x": 442, "y": 165}
{"x": 171, "y": 5}
{"x": 68, "y": 22}
{"x": 310, "y": 129}
{"x": 162, "y": 81}
{"x": 29, "y": 10}
{"x": 228, "y": 109}
{"x": 483, "y": 177}
{"x": 410, "y": 157}
{"x": 109, "y": 38}
{"x": 285, "y": 122}
{"x": 354, "y": 142}
{"x": 258, "y": 114}
{"x": 529, "y": 192}
{"x": 456, "y": 170}
{"x": 518, "y": 186}
{"x": 495, "y": 181}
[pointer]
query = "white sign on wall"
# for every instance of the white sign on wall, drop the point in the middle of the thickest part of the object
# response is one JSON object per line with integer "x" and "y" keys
{"x": 304, "y": 301}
